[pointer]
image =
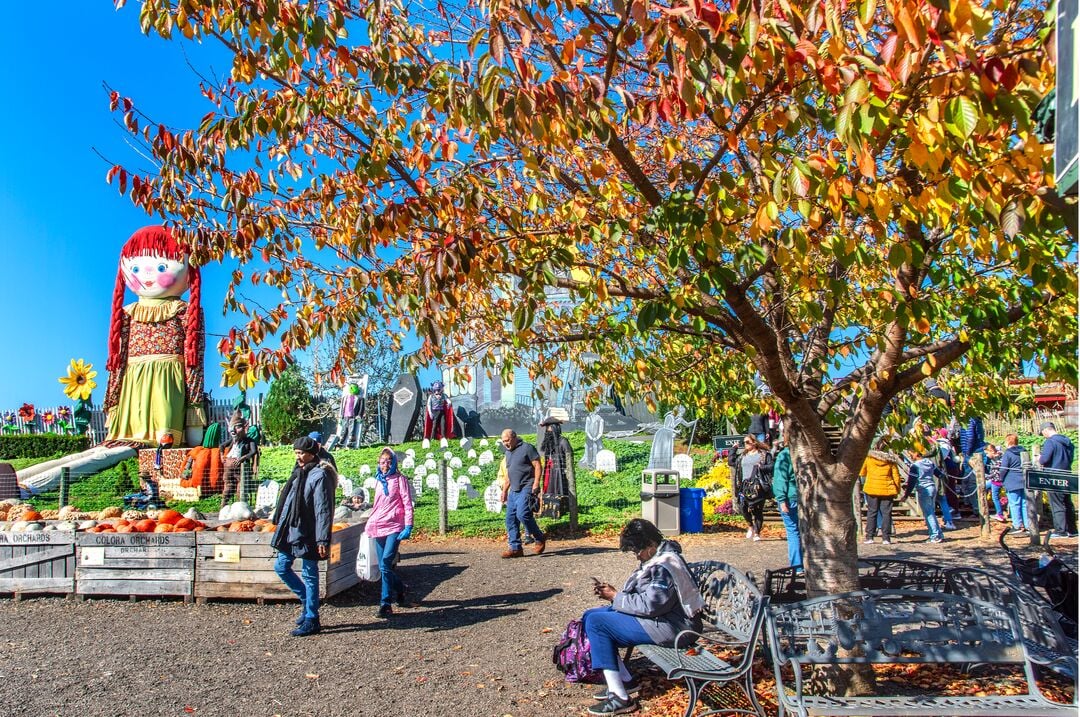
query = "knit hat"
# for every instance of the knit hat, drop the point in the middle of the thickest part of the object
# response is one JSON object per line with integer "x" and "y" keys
{"x": 315, "y": 436}
{"x": 1047, "y": 424}
{"x": 306, "y": 444}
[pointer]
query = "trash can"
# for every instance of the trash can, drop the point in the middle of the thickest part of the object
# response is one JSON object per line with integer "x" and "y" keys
{"x": 691, "y": 514}
{"x": 660, "y": 499}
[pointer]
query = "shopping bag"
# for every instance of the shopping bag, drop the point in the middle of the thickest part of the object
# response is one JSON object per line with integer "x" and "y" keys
{"x": 367, "y": 560}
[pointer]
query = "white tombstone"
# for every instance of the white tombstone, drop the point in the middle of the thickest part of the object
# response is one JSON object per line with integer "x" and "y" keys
{"x": 471, "y": 455}
{"x": 474, "y": 470}
{"x": 484, "y": 443}
{"x": 430, "y": 464}
{"x": 463, "y": 481}
{"x": 266, "y": 496}
{"x": 370, "y": 483}
{"x": 493, "y": 499}
{"x": 447, "y": 456}
{"x": 429, "y": 456}
{"x": 605, "y": 461}
{"x": 346, "y": 487}
{"x": 408, "y": 464}
{"x": 484, "y": 458}
{"x": 410, "y": 452}
{"x": 433, "y": 481}
{"x": 453, "y": 495}
{"x": 418, "y": 486}
{"x": 365, "y": 470}
{"x": 426, "y": 444}
{"x": 420, "y": 470}
{"x": 455, "y": 462}
{"x": 465, "y": 443}
{"x": 443, "y": 443}
{"x": 684, "y": 464}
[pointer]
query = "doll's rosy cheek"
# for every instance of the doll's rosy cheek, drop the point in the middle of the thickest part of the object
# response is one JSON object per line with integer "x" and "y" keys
{"x": 166, "y": 279}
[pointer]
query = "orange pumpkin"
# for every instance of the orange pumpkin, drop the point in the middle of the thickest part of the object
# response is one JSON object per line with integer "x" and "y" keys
{"x": 31, "y": 515}
{"x": 163, "y": 528}
{"x": 169, "y": 517}
{"x": 185, "y": 524}
{"x": 122, "y": 521}
{"x": 123, "y": 528}
{"x": 145, "y": 526}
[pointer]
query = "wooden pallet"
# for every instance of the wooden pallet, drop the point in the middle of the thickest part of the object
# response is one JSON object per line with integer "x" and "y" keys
{"x": 37, "y": 562}
{"x": 135, "y": 564}
{"x": 241, "y": 565}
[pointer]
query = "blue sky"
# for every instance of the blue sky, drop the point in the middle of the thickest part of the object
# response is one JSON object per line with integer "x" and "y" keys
{"x": 62, "y": 226}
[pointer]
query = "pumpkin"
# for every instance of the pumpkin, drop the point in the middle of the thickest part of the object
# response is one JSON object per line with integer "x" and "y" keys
{"x": 185, "y": 524}
{"x": 268, "y": 528}
{"x": 29, "y": 515}
{"x": 163, "y": 528}
{"x": 122, "y": 521}
{"x": 110, "y": 513}
{"x": 123, "y": 529}
{"x": 169, "y": 517}
{"x": 145, "y": 526}
{"x": 339, "y": 526}
{"x": 242, "y": 526}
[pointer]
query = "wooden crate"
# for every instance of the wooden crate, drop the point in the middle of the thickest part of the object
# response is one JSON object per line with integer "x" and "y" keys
{"x": 152, "y": 564}
{"x": 37, "y": 562}
{"x": 241, "y": 565}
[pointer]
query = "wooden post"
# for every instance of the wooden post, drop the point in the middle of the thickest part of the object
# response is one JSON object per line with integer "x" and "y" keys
{"x": 65, "y": 485}
{"x": 571, "y": 486}
{"x": 442, "y": 497}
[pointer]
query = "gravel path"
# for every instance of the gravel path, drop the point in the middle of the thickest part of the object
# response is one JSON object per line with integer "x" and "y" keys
{"x": 478, "y": 644}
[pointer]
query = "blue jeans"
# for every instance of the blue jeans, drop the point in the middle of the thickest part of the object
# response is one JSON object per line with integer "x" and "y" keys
{"x": 517, "y": 511}
{"x": 609, "y": 630}
{"x": 307, "y": 589}
{"x": 386, "y": 549}
{"x": 1018, "y": 507}
{"x": 791, "y": 530}
{"x": 927, "y": 500}
{"x": 946, "y": 511}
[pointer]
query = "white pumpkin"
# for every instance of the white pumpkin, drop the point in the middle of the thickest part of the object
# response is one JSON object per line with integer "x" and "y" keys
{"x": 241, "y": 511}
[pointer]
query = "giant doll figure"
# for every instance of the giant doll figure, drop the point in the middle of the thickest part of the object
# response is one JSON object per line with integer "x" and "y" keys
{"x": 156, "y": 344}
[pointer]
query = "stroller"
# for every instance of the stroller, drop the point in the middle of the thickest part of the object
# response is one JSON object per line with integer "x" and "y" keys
{"x": 1058, "y": 581}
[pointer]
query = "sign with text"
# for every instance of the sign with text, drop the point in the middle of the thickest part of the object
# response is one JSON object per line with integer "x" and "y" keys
{"x": 1050, "y": 480}
{"x": 725, "y": 443}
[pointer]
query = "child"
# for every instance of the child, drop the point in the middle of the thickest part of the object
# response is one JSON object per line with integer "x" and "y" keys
{"x": 995, "y": 492}
{"x": 147, "y": 498}
{"x": 923, "y": 477}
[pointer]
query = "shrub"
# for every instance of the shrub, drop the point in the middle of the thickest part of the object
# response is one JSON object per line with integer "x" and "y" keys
{"x": 288, "y": 409}
{"x": 41, "y": 445}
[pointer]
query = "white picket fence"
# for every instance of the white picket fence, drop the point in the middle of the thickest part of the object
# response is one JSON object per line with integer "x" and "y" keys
{"x": 220, "y": 410}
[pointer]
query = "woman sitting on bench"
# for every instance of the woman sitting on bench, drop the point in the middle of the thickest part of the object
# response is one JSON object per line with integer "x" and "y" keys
{"x": 658, "y": 601}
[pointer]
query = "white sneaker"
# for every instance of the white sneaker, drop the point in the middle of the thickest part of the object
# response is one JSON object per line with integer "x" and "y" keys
{"x": 757, "y": 538}
{"x": 749, "y": 533}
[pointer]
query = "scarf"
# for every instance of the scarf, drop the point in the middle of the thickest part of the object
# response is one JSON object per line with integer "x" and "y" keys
{"x": 689, "y": 595}
{"x": 382, "y": 477}
{"x": 292, "y": 518}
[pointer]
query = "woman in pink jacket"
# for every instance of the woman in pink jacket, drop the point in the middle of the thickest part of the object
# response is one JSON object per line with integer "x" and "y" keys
{"x": 390, "y": 522}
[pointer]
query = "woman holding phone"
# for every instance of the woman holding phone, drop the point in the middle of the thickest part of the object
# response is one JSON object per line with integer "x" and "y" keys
{"x": 658, "y": 601}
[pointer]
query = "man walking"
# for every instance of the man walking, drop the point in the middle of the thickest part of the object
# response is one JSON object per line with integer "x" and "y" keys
{"x": 304, "y": 517}
{"x": 523, "y": 470}
{"x": 1057, "y": 453}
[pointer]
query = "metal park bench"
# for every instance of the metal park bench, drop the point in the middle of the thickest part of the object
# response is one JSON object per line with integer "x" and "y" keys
{"x": 1044, "y": 637}
{"x": 787, "y": 585}
{"x": 899, "y": 627}
{"x": 734, "y": 613}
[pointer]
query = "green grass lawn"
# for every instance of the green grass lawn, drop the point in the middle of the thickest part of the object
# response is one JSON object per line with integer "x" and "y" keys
{"x": 605, "y": 502}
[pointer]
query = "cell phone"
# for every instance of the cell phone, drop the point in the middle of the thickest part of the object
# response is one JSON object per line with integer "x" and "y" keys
{"x": 596, "y": 580}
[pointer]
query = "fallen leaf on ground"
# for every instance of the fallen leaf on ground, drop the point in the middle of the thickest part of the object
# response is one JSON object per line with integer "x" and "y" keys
{"x": 311, "y": 676}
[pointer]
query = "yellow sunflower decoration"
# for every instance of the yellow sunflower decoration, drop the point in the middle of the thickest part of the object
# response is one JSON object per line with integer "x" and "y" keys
{"x": 238, "y": 371}
{"x": 79, "y": 381}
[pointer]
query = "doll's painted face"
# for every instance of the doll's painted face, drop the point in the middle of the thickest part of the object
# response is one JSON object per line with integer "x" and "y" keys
{"x": 155, "y": 277}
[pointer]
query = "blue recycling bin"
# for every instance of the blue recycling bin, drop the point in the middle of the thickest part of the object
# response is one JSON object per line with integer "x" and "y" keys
{"x": 691, "y": 511}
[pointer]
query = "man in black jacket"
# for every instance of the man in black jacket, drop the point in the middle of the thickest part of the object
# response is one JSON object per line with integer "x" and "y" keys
{"x": 304, "y": 517}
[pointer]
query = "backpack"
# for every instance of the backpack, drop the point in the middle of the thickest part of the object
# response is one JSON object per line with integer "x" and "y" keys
{"x": 571, "y": 655}
{"x": 757, "y": 487}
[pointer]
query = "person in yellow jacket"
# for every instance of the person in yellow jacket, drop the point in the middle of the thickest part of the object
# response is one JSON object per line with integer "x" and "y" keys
{"x": 881, "y": 485}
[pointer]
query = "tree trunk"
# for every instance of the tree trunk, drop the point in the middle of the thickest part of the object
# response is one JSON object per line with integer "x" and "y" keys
{"x": 828, "y": 526}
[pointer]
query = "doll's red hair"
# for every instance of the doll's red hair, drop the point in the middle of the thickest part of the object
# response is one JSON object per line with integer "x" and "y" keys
{"x": 155, "y": 241}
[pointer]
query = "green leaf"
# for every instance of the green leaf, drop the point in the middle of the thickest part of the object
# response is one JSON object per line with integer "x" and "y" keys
{"x": 856, "y": 92}
{"x": 961, "y": 116}
{"x": 646, "y": 317}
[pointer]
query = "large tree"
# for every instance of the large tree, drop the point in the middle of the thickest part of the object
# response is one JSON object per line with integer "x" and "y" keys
{"x": 839, "y": 198}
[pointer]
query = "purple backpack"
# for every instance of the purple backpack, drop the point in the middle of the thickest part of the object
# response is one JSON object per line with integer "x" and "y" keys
{"x": 571, "y": 655}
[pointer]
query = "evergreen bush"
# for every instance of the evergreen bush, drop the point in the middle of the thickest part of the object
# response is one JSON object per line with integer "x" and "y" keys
{"x": 41, "y": 445}
{"x": 287, "y": 412}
